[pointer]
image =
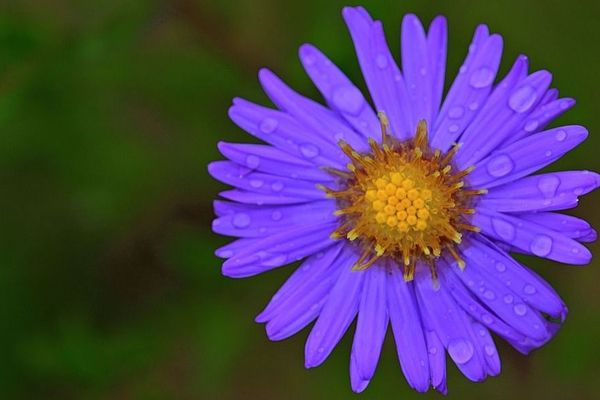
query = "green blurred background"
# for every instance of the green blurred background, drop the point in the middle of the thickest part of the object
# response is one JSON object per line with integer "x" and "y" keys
{"x": 110, "y": 111}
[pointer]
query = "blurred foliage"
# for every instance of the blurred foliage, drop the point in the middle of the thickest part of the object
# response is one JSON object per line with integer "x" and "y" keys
{"x": 110, "y": 111}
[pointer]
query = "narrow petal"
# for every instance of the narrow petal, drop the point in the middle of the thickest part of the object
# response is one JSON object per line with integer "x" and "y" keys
{"x": 382, "y": 75}
{"x": 531, "y": 237}
{"x": 337, "y": 315}
{"x": 235, "y": 247}
{"x": 544, "y": 192}
{"x": 372, "y": 322}
{"x": 526, "y": 156}
{"x": 437, "y": 41}
{"x": 485, "y": 342}
{"x": 279, "y": 249}
{"x": 358, "y": 383}
{"x": 450, "y": 323}
{"x": 268, "y": 159}
{"x": 285, "y": 133}
{"x": 470, "y": 89}
{"x": 309, "y": 113}
{"x": 568, "y": 225}
{"x": 408, "y": 330}
{"x": 243, "y": 220}
{"x": 485, "y": 134}
{"x": 339, "y": 92}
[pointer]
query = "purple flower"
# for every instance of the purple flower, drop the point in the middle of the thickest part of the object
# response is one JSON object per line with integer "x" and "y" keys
{"x": 406, "y": 216}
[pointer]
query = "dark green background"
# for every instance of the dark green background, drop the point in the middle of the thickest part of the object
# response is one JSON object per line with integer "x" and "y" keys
{"x": 110, "y": 111}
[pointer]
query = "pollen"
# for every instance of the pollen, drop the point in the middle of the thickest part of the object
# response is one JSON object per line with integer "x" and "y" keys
{"x": 401, "y": 200}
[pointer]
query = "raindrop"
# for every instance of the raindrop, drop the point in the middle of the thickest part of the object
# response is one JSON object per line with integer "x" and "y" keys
{"x": 520, "y": 309}
{"x": 500, "y": 267}
{"x": 522, "y": 99}
{"x": 252, "y": 161}
{"x": 268, "y": 125}
{"x": 529, "y": 289}
{"x": 500, "y": 166}
{"x": 256, "y": 183}
{"x": 462, "y": 69}
{"x": 487, "y": 319}
{"x": 348, "y": 99}
{"x": 423, "y": 71}
{"x": 453, "y": 128}
{"x": 432, "y": 350}
{"x": 274, "y": 260}
{"x": 456, "y": 112}
{"x": 381, "y": 61}
{"x": 460, "y": 350}
{"x": 488, "y": 294}
{"x": 505, "y": 230}
{"x": 561, "y": 135}
{"x": 473, "y": 106}
{"x": 548, "y": 185}
{"x": 489, "y": 350}
{"x": 508, "y": 298}
{"x": 277, "y": 186}
{"x": 241, "y": 220}
{"x": 548, "y": 153}
{"x": 541, "y": 245}
{"x": 308, "y": 151}
{"x": 481, "y": 78}
{"x": 531, "y": 126}
{"x": 276, "y": 216}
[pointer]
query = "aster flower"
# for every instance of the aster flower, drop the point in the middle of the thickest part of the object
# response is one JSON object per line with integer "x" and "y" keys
{"x": 406, "y": 215}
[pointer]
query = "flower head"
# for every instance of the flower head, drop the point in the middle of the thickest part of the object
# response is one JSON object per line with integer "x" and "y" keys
{"x": 406, "y": 216}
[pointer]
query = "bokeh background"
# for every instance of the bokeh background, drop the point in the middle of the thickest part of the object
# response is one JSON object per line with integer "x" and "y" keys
{"x": 109, "y": 113}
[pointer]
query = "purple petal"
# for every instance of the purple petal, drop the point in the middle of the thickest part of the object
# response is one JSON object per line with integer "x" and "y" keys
{"x": 573, "y": 227}
{"x": 490, "y": 353}
{"x": 531, "y": 237}
{"x": 267, "y": 184}
{"x": 449, "y": 322}
{"x": 357, "y": 382}
{"x": 337, "y": 315}
{"x": 235, "y": 247}
{"x": 372, "y": 322}
{"x": 273, "y": 161}
{"x": 381, "y": 73}
{"x": 242, "y": 220}
{"x": 544, "y": 192}
{"x": 437, "y": 39}
{"x": 470, "y": 89}
{"x": 310, "y": 114}
{"x": 279, "y": 249}
{"x": 408, "y": 331}
{"x": 526, "y": 156}
{"x": 339, "y": 92}
{"x": 486, "y": 133}
{"x": 285, "y": 133}
{"x": 437, "y": 353}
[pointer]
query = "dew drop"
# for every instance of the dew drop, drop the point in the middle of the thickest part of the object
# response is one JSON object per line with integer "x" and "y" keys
{"x": 473, "y": 106}
{"x": 276, "y": 216}
{"x": 462, "y": 69}
{"x": 481, "y": 78}
{"x": 531, "y": 126}
{"x": 423, "y": 71}
{"x": 505, "y": 230}
{"x": 487, "y": 319}
{"x": 548, "y": 185}
{"x": 520, "y": 309}
{"x": 488, "y": 294}
{"x": 241, "y": 220}
{"x": 309, "y": 150}
{"x": 252, "y": 161}
{"x": 274, "y": 260}
{"x": 268, "y": 125}
{"x": 456, "y": 112}
{"x": 381, "y": 61}
{"x": 489, "y": 350}
{"x": 500, "y": 267}
{"x": 500, "y": 166}
{"x": 453, "y": 128}
{"x": 522, "y": 99}
{"x": 541, "y": 246}
{"x": 548, "y": 153}
{"x": 529, "y": 289}
{"x": 561, "y": 135}
{"x": 508, "y": 298}
{"x": 348, "y": 99}
{"x": 432, "y": 350}
{"x": 277, "y": 186}
{"x": 460, "y": 350}
{"x": 256, "y": 183}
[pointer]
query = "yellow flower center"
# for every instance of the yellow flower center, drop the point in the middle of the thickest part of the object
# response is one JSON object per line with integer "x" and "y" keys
{"x": 401, "y": 200}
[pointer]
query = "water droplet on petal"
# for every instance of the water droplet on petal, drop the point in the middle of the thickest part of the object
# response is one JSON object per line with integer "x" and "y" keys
{"x": 489, "y": 350}
{"x": 531, "y": 126}
{"x": 348, "y": 99}
{"x": 541, "y": 246}
{"x": 522, "y": 99}
{"x": 252, "y": 161}
{"x": 462, "y": 69}
{"x": 508, "y": 298}
{"x": 481, "y": 78}
{"x": 488, "y": 294}
{"x": 276, "y": 216}
{"x": 561, "y": 135}
{"x": 268, "y": 125}
{"x": 423, "y": 71}
{"x": 277, "y": 186}
{"x": 500, "y": 267}
{"x": 241, "y": 220}
{"x": 529, "y": 289}
{"x": 548, "y": 153}
{"x": 487, "y": 319}
{"x": 548, "y": 185}
{"x": 274, "y": 260}
{"x": 381, "y": 61}
{"x": 309, "y": 150}
{"x": 432, "y": 350}
{"x": 520, "y": 309}
{"x": 256, "y": 183}
{"x": 505, "y": 230}
{"x": 453, "y": 128}
{"x": 460, "y": 350}
{"x": 500, "y": 166}
{"x": 456, "y": 112}
{"x": 473, "y": 106}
